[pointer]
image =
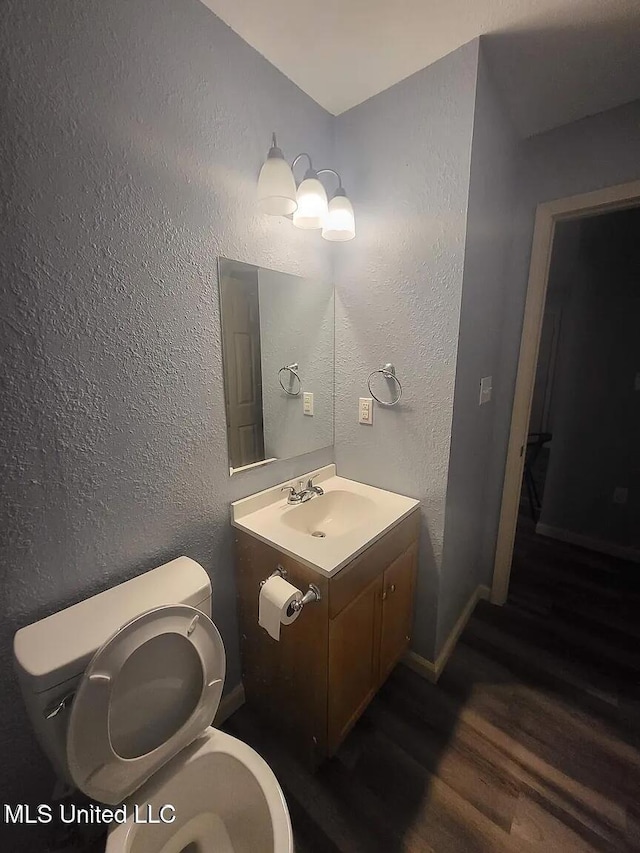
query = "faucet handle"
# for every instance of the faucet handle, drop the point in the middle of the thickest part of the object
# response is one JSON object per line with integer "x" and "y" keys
{"x": 290, "y": 489}
{"x": 316, "y": 489}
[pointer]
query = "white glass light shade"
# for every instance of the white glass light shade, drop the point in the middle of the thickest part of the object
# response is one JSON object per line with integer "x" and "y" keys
{"x": 312, "y": 204}
{"x": 276, "y": 187}
{"x": 339, "y": 224}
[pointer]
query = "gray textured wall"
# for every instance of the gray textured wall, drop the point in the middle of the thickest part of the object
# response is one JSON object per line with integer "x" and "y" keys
{"x": 405, "y": 156}
{"x": 468, "y": 555}
{"x": 597, "y": 410}
{"x": 296, "y": 325}
{"x": 132, "y": 136}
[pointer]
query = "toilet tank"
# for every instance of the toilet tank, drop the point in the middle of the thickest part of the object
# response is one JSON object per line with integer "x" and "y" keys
{"x": 52, "y": 654}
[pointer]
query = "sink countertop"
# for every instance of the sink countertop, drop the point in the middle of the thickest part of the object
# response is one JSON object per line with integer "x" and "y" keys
{"x": 354, "y": 517}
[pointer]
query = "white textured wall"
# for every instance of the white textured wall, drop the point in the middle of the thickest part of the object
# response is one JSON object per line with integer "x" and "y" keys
{"x": 405, "y": 156}
{"x": 296, "y": 325}
{"x": 132, "y": 136}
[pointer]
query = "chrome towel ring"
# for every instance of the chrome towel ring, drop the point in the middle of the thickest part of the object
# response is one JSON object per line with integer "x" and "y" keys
{"x": 389, "y": 372}
{"x": 293, "y": 371}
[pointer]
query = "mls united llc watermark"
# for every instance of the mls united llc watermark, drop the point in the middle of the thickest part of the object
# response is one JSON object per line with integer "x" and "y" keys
{"x": 70, "y": 813}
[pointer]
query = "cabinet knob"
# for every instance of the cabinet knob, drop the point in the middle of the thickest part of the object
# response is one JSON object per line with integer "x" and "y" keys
{"x": 389, "y": 589}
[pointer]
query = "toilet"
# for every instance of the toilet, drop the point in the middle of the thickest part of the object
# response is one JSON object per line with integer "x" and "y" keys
{"x": 121, "y": 690}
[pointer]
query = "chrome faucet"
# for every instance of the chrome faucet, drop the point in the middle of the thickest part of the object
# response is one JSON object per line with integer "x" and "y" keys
{"x": 303, "y": 495}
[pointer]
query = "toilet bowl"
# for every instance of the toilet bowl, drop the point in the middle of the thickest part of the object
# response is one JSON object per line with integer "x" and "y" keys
{"x": 225, "y": 797}
{"x": 122, "y": 689}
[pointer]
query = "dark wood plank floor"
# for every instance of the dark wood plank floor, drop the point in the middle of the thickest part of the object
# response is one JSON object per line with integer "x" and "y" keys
{"x": 528, "y": 743}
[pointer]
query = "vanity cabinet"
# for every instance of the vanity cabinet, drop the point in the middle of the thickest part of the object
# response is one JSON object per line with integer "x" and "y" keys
{"x": 315, "y": 682}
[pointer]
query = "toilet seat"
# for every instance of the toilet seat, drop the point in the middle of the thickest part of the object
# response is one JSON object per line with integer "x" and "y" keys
{"x": 147, "y": 693}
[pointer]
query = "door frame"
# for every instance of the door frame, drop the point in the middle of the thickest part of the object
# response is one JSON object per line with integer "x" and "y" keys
{"x": 548, "y": 213}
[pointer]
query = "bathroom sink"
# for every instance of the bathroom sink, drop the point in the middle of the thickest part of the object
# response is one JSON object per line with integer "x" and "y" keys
{"x": 327, "y": 531}
{"x": 332, "y": 514}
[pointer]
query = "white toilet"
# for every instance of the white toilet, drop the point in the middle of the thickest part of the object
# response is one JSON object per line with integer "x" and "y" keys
{"x": 121, "y": 690}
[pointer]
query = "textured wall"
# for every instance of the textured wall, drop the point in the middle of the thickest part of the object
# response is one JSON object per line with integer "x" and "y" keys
{"x": 468, "y": 552}
{"x": 133, "y": 132}
{"x": 296, "y": 325}
{"x": 405, "y": 158}
{"x": 597, "y": 409}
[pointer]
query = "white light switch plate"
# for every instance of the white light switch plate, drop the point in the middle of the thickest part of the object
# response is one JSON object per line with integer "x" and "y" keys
{"x": 365, "y": 410}
{"x": 620, "y": 495}
{"x": 307, "y": 403}
{"x": 485, "y": 390}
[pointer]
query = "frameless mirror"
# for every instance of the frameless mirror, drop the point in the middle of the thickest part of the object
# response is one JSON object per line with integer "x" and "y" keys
{"x": 277, "y": 357}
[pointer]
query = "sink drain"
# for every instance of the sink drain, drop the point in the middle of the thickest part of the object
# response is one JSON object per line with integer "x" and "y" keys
{"x": 318, "y": 534}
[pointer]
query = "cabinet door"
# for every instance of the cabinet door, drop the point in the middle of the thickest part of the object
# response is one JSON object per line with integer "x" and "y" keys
{"x": 397, "y": 609}
{"x": 354, "y": 656}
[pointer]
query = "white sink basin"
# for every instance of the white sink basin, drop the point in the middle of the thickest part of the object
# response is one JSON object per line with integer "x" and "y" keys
{"x": 332, "y": 514}
{"x": 327, "y": 531}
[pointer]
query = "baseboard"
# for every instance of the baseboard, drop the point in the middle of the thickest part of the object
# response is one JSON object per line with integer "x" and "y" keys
{"x": 623, "y": 552}
{"x": 424, "y": 667}
{"x": 229, "y": 704}
{"x": 432, "y": 670}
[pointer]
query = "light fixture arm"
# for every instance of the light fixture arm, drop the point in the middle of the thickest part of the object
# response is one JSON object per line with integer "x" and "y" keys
{"x": 310, "y": 169}
{"x": 340, "y": 190}
{"x": 311, "y": 172}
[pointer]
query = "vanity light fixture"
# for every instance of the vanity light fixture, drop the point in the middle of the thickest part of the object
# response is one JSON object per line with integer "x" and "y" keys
{"x": 308, "y": 205}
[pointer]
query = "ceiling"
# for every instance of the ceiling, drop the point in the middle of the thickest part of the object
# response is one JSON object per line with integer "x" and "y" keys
{"x": 555, "y": 60}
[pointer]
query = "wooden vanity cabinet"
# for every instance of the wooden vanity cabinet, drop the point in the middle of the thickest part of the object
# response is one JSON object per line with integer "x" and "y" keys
{"x": 315, "y": 682}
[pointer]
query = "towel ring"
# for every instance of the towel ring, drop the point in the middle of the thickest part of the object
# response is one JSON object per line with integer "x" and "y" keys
{"x": 389, "y": 372}
{"x": 293, "y": 371}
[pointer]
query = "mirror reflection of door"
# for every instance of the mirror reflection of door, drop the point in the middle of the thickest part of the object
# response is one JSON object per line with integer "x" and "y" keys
{"x": 241, "y": 354}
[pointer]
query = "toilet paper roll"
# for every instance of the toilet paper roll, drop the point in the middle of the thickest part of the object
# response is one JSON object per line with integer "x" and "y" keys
{"x": 276, "y": 596}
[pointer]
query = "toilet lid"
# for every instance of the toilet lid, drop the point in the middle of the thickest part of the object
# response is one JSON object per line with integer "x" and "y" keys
{"x": 148, "y": 692}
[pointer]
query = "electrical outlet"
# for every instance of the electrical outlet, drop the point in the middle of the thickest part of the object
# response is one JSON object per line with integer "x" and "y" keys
{"x": 307, "y": 403}
{"x": 365, "y": 410}
{"x": 620, "y": 495}
{"x": 486, "y": 387}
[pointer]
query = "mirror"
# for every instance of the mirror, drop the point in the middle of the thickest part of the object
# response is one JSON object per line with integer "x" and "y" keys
{"x": 277, "y": 356}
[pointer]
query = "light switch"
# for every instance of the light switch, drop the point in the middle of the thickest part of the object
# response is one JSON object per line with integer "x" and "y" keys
{"x": 636, "y": 384}
{"x": 485, "y": 390}
{"x": 620, "y": 495}
{"x": 307, "y": 403}
{"x": 366, "y": 410}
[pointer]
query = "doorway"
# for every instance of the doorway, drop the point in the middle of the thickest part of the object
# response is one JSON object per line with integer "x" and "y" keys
{"x": 540, "y": 338}
{"x": 239, "y": 305}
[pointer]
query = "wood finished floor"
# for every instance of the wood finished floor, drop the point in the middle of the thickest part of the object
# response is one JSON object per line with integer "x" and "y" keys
{"x": 528, "y": 743}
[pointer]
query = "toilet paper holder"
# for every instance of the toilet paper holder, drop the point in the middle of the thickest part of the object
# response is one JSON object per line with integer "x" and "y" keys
{"x": 311, "y": 595}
